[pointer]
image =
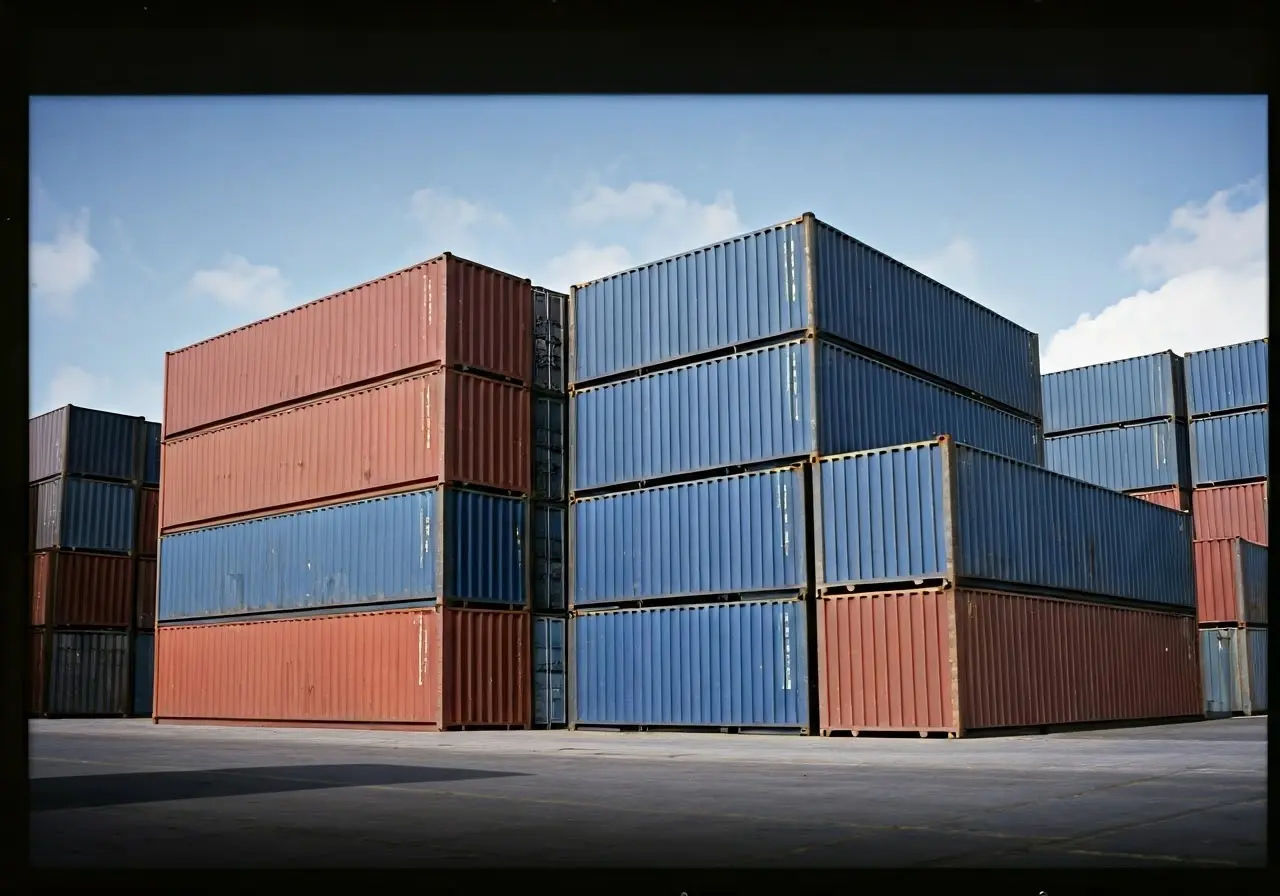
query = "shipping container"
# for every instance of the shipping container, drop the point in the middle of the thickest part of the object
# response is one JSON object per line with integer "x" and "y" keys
{"x": 1124, "y": 458}
{"x": 742, "y": 665}
{"x": 151, "y": 459}
{"x": 144, "y": 672}
{"x": 390, "y": 550}
{"x": 956, "y": 661}
{"x": 1231, "y": 511}
{"x": 550, "y": 312}
{"x": 758, "y": 406}
{"x": 1172, "y": 498}
{"x": 85, "y": 515}
{"x": 79, "y": 590}
{"x": 148, "y": 538}
{"x": 83, "y": 442}
{"x": 1234, "y": 661}
{"x": 426, "y": 667}
{"x": 1135, "y": 389}
{"x": 550, "y": 545}
{"x": 1231, "y": 581}
{"x": 1229, "y": 378}
{"x": 1231, "y": 448}
{"x": 146, "y": 601}
{"x": 437, "y": 426}
{"x": 943, "y": 511}
{"x": 728, "y": 535}
{"x": 444, "y": 311}
{"x": 550, "y": 694}
{"x": 89, "y": 674}
{"x": 37, "y": 672}
{"x": 782, "y": 280}
{"x": 550, "y": 443}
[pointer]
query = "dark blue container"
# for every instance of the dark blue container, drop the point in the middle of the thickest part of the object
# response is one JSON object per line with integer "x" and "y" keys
{"x": 1135, "y": 389}
{"x": 1233, "y": 377}
{"x": 1230, "y": 448}
{"x": 550, "y": 551}
{"x": 1144, "y": 457}
{"x": 550, "y": 681}
{"x": 151, "y": 459}
{"x": 550, "y": 448}
{"x": 85, "y": 515}
{"x": 144, "y": 671}
{"x": 79, "y": 441}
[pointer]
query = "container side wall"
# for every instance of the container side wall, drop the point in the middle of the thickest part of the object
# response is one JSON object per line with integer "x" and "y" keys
{"x": 144, "y": 672}
{"x": 1231, "y": 511}
{"x": 1253, "y": 569}
{"x": 148, "y": 538}
{"x": 746, "y": 408}
{"x": 486, "y": 556}
{"x": 1217, "y": 586}
{"x": 92, "y": 590}
{"x": 90, "y": 674}
{"x": 86, "y": 515}
{"x": 1112, "y": 393}
{"x": 728, "y": 535}
{"x": 41, "y": 568}
{"x": 367, "y": 667}
{"x": 549, "y": 556}
{"x": 100, "y": 443}
{"x": 550, "y": 444}
{"x": 145, "y": 605}
{"x": 488, "y": 665}
{"x": 1147, "y": 456}
{"x": 367, "y": 552}
{"x": 1169, "y": 498}
{"x": 151, "y": 453}
{"x": 549, "y": 685}
{"x": 36, "y": 673}
{"x": 748, "y": 288}
{"x": 47, "y": 498}
{"x": 1258, "y": 667}
{"x": 1233, "y": 447}
{"x": 1227, "y": 378}
{"x": 490, "y": 320}
{"x": 1220, "y": 673}
{"x": 737, "y": 664}
{"x": 883, "y": 517}
{"x": 867, "y": 405}
{"x": 487, "y": 433}
{"x": 47, "y": 444}
{"x": 550, "y": 328}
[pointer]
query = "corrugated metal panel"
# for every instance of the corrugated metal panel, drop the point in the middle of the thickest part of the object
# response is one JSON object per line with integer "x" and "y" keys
{"x": 736, "y": 664}
{"x": 1172, "y": 498}
{"x": 46, "y": 442}
{"x": 485, "y": 538}
{"x": 878, "y": 303}
{"x": 443, "y": 310}
{"x": 1115, "y": 392}
{"x": 1254, "y": 581}
{"x": 488, "y": 655}
{"x": 964, "y": 660}
{"x": 1218, "y": 595}
{"x": 86, "y": 590}
{"x": 146, "y": 601}
{"x": 36, "y": 673}
{"x": 148, "y": 539}
{"x": 550, "y": 316}
{"x": 1231, "y": 511}
{"x": 886, "y": 518}
{"x": 1256, "y": 641}
{"x": 144, "y": 672}
{"x": 1227, "y": 378}
{"x": 83, "y": 442}
{"x": 1229, "y": 448}
{"x": 549, "y": 548}
{"x": 1147, "y": 456}
{"x": 151, "y": 458}
{"x": 90, "y": 674}
{"x": 389, "y": 435}
{"x": 1221, "y": 674}
{"x": 744, "y": 289}
{"x": 549, "y": 666}
{"x": 550, "y": 443}
{"x": 86, "y": 515}
{"x": 729, "y": 535}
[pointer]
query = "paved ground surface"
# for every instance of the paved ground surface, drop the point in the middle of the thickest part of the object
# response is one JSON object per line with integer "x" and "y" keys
{"x": 130, "y": 793}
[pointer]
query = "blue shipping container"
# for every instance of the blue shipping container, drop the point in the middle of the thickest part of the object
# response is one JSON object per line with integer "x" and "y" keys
{"x": 1233, "y": 662}
{"x": 550, "y": 442}
{"x": 85, "y": 515}
{"x": 144, "y": 671}
{"x": 1131, "y": 390}
{"x": 151, "y": 462}
{"x": 733, "y": 665}
{"x": 1128, "y": 458}
{"x": 550, "y": 547}
{"x": 729, "y": 535}
{"x": 940, "y": 510}
{"x": 1229, "y": 378}
{"x": 549, "y": 691}
{"x": 392, "y": 550}
{"x": 1231, "y": 448}
{"x": 784, "y": 279}
{"x": 1253, "y": 581}
{"x": 83, "y": 442}
{"x": 757, "y": 406}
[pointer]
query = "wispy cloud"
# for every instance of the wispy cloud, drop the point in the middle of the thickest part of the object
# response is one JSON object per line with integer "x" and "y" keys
{"x": 75, "y": 385}
{"x": 63, "y": 266}
{"x": 954, "y": 265}
{"x": 125, "y": 246}
{"x": 237, "y": 283}
{"x": 450, "y": 223}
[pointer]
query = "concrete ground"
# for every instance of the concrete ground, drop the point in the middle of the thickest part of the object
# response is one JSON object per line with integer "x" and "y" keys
{"x": 133, "y": 794}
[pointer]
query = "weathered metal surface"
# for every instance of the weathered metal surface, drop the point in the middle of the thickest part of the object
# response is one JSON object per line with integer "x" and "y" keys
{"x": 550, "y": 345}
{"x": 144, "y": 672}
{"x": 1231, "y": 511}
{"x": 1221, "y": 676}
{"x": 86, "y": 515}
{"x": 549, "y": 670}
{"x": 89, "y": 674}
{"x": 84, "y": 442}
{"x": 1124, "y": 458}
{"x": 151, "y": 453}
{"x": 37, "y": 672}
{"x": 148, "y": 537}
{"x": 84, "y": 590}
{"x": 1172, "y": 498}
{"x": 550, "y": 448}
{"x": 1143, "y": 388}
{"x": 550, "y": 549}
{"x": 1227, "y": 378}
{"x": 145, "y": 605}
{"x": 1231, "y": 582}
{"x": 1254, "y": 683}
{"x": 1231, "y": 448}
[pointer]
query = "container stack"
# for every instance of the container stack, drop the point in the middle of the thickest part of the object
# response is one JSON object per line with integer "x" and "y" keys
{"x": 343, "y": 513}
{"x": 549, "y": 508}
{"x": 1227, "y": 399}
{"x": 704, "y": 387}
{"x": 92, "y": 530}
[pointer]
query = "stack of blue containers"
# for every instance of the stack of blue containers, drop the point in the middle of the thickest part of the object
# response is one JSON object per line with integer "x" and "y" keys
{"x": 703, "y": 388}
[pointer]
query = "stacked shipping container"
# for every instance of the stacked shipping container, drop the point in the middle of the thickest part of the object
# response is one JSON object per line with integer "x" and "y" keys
{"x": 93, "y": 538}
{"x": 345, "y": 510}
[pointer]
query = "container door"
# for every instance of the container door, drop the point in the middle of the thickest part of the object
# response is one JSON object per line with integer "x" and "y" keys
{"x": 548, "y": 672}
{"x": 1257, "y": 641}
{"x": 1217, "y": 660}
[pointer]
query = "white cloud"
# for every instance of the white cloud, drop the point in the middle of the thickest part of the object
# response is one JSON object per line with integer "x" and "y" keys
{"x": 257, "y": 288}
{"x": 62, "y": 267}
{"x": 1211, "y": 267}
{"x": 953, "y": 266}
{"x": 450, "y": 222}
{"x": 583, "y": 263}
{"x": 75, "y": 385}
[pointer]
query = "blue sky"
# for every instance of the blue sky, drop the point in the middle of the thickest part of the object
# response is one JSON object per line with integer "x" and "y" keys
{"x": 1112, "y": 226}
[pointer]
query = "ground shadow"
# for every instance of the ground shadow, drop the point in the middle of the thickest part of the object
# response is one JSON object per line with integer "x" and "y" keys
{"x": 95, "y": 791}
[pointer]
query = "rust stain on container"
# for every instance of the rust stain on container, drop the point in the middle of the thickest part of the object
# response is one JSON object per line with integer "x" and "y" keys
{"x": 444, "y": 311}
{"x": 148, "y": 540}
{"x": 1173, "y": 498}
{"x": 1231, "y": 511}
{"x": 146, "y": 601}
{"x": 86, "y": 590}
{"x": 956, "y": 661}
{"x": 439, "y": 425}
{"x": 428, "y": 667}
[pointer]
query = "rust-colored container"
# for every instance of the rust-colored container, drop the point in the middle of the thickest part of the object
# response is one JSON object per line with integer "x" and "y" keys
{"x": 1173, "y": 498}
{"x": 1231, "y": 511}
{"x": 36, "y": 674}
{"x": 1231, "y": 582}
{"x": 406, "y": 668}
{"x": 86, "y": 590}
{"x": 956, "y": 661}
{"x": 146, "y": 585}
{"x": 444, "y": 311}
{"x": 436, "y": 426}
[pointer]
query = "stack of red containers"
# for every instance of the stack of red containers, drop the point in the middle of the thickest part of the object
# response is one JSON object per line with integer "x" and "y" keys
{"x": 344, "y": 505}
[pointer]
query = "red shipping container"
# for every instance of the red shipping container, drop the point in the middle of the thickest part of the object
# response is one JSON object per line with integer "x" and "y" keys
{"x": 957, "y": 661}
{"x": 444, "y": 311}
{"x": 1224, "y": 591}
{"x": 36, "y": 674}
{"x": 146, "y": 602}
{"x": 86, "y": 590}
{"x": 1231, "y": 511}
{"x": 405, "y": 668}
{"x": 149, "y": 522}
{"x": 436, "y": 426}
{"x": 1173, "y": 498}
